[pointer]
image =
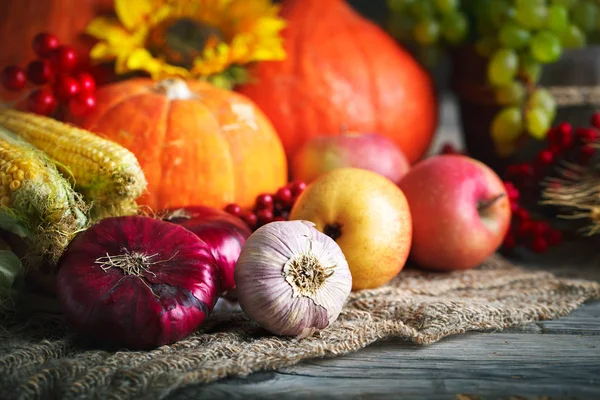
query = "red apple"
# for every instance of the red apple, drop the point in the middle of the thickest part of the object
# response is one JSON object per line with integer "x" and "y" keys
{"x": 369, "y": 151}
{"x": 460, "y": 212}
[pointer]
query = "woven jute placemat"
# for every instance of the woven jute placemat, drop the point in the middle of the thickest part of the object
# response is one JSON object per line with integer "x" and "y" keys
{"x": 42, "y": 358}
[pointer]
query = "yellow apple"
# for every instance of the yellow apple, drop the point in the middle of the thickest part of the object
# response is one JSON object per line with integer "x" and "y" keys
{"x": 367, "y": 215}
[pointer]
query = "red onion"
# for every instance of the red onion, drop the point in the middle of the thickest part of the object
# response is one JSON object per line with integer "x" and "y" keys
{"x": 224, "y": 233}
{"x": 137, "y": 282}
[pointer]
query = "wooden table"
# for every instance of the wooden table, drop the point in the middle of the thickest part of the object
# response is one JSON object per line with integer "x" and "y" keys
{"x": 559, "y": 358}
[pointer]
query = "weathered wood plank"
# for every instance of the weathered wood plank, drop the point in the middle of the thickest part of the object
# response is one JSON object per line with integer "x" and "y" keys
{"x": 489, "y": 364}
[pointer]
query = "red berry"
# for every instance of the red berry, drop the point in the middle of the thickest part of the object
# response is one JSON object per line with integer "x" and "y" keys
{"x": 565, "y": 128}
{"x": 87, "y": 83}
{"x": 539, "y": 245}
{"x": 555, "y": 149}
{"x": 41, "y": 101}
{"x": 82, "y": 104}
{"x": 586, "y": 153}
{"x": 66, "y": 87}
{"x": 553, "y": 237}
{"x": 545, "y": 157}
{"x": 521, "y": 214}
{"x": 233, "y": 209}
{"x": 524, "y": 229}
{"x": 596, "y": 120}
{"x": 264, "y": 202}
{"x": 586, "y": 134}
{"x": 279, "y": 218}
{"x": 297, "y": 187}
{"x": 514, "y": 206}
{"x": 511, "y": 191}
{"x": 14, "y": 78}
{"x": 249, "y": 218}
{"x": 509, "y": 242}
{"x": 448, "y": 148}
{"x": 264, "y": 216}
{"x": 284, "y": 196}
{"x": 44, "y": 44}
{"x": 540, "y": 228}
{"x": 64, "y": 59}
{"x": 39, "y": 72}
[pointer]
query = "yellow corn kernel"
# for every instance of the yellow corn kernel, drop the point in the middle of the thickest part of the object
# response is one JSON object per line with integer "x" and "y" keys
{"x": 105, "y": 172}
{"x": 35, "y": 195}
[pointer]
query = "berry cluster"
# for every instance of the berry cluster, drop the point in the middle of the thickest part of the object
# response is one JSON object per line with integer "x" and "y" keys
{"x": 269, "y": 207}
{"x": 536, "y": 235}
{"x": 56, "y": 78}
{"x": 565, "y": 143}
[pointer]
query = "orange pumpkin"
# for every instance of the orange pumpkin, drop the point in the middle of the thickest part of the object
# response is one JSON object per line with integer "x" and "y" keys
{"x": 342, "y": 70}
{"x": 197, "y": 144}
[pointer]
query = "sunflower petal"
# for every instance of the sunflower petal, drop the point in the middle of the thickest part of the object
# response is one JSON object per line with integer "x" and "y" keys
{"x": 105, "y": 28}
{"x": 133, "y": 13}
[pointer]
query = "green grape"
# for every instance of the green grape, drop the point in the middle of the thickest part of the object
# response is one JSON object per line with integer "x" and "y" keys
{"x": 511, "y": 94}
{"x": 513, "y": 36}
{"x": 541, "y": 98}
{"x": 422, "y": 9}
{"x": 558, "y": 18}
{"x": 530, "y": 69}
{"x": 531, "y": 15}
{"x": 563, "y": 3}
{"x": 400, "y": 26}
{"x": 426, "y": 32}
{"x": 501, "y": 12}
{"x": 583, "y": 14}
{"x": 545, "y": 47}
{"x": 572, "y": 37}
{"x": 446, "y": 6}
{"x": 454, "y": 27}
{"x": 486, "y": 46}
{"x": 502, "y": 67}
{"x": 507, "y": 125}
{"x": 537, "y": 122}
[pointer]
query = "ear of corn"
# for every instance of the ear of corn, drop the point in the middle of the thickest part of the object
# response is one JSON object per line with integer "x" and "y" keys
{"x": 105, "y": 173}
{"x": 37, "y": 199}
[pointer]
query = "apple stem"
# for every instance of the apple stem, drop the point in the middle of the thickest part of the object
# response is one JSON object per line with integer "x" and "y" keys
{"x": 484, "y": 205}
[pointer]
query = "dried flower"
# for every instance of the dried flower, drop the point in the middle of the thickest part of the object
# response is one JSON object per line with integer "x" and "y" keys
{"x": 292, "y": 279}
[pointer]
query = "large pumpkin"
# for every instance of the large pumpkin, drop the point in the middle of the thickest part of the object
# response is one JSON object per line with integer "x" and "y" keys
{"x": 197, "y": 144}
{"x": 343, "y": 71}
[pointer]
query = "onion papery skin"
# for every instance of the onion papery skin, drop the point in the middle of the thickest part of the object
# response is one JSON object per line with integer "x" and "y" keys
{"x": 169, "y": 300}
{"x": 224, "y": 233}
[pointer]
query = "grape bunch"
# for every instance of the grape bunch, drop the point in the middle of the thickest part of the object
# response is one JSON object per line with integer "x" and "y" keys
{"x": 517, "y": 37}
{"x": 428, "y": 24}
{"x": 55, "y": 77}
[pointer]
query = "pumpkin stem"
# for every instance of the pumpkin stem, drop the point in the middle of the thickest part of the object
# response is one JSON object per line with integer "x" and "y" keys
{"x": 174, "y": 89}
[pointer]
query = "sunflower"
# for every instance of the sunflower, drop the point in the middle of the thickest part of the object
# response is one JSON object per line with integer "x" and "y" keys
{"x": 188, "y": 38}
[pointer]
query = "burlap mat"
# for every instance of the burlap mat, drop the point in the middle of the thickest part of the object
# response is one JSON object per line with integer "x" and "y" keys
{"x": 43, "y": 359}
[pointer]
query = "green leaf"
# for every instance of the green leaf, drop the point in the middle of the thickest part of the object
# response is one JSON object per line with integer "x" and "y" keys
{"x": 11, "y": 224}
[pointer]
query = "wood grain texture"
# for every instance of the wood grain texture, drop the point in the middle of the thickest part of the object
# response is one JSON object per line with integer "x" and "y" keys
{"x": 558, "y": 358}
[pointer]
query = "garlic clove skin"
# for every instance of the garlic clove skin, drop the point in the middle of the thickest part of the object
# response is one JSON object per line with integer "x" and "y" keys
{"x": 292, "y": 279}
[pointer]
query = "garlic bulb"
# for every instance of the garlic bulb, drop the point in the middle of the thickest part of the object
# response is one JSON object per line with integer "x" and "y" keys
{"x": 292, "y": 279}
